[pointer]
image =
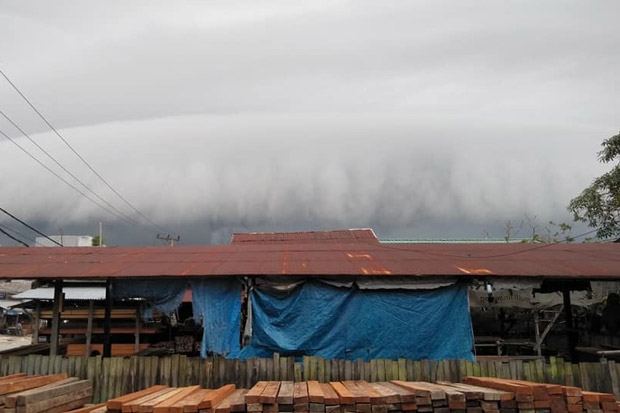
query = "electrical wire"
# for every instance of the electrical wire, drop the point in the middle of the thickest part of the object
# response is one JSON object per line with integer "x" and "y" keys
{"x": 14, "y": 238}
{"x": 129, "y": 204}
{"x": 19, "y": 234}
{"x": 65, "y": 169}
{"x": 546, "y": 245}
{"x": 29, "y": 226}
{"x": 61, "y": 178}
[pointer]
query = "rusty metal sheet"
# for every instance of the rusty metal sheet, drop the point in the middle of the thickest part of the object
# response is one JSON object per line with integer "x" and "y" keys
{"x": 594, "y": 261}
{"x": 335, "y": 236}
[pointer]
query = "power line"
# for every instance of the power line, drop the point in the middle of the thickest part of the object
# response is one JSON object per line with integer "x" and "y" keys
{"x": 14, "y": 238}
{"x": 65, "y": 169}
{"x": 60, "y": 177}
{"x": 77, "y": 154}
{"x": 17, "y": 233}
{"x": 29, "y": 226}
{"x": 546, "y": 245}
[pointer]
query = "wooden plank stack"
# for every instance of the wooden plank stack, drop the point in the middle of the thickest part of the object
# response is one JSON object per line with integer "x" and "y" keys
{"x": 542, "y": 398}
{"x": 20, "y": 393}
{"x": 475, "y": 395}
{"x": 164, "y": 399}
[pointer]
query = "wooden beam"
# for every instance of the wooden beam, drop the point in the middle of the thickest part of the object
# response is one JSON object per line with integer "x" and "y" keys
{"x": 107, "y": 320}
{"x": 56, "y": 317}
{"x": 137, "y": 333}
{"x": 571, "y": 341}
{"x": 36, "y": 321}
{"x": 89, "y": 326}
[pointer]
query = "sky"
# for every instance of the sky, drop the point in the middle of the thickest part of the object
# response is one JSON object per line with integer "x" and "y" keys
{"x": 420, "y": 119}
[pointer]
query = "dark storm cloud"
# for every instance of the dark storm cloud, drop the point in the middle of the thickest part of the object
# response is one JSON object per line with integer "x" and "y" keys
{"x": 404, "y": 116}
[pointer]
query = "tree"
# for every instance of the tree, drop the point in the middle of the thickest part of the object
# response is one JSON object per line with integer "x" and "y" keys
{"x": 599, "y": 204}
{"x": 97, "y": 242}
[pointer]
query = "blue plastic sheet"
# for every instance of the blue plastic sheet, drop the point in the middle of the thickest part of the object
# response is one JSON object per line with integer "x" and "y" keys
{"x": 348, "y": 323}
{"x": 218, "y": 303}
{"x": 162, "y": 295}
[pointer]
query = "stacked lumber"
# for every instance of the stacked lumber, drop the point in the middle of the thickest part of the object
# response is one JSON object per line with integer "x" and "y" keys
{"x": 164, "y": 399}
{"x": 20, "y": 393}
{"x": 533, "y": 397}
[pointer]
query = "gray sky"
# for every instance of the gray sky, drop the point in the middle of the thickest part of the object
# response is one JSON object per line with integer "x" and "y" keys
{"x": 419, "y": 119}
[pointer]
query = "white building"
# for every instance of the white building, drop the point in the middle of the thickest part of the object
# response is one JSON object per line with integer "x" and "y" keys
{"x": 65, "y": 240}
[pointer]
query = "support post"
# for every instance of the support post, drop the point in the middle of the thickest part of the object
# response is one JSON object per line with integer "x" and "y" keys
{"x": 571, "y": 341}
{"x": 137, "y": 333}
{"x": 56, "y": 317}
{"x": 89, "y": 326}
{"x": 107, "y": 321}
{"x": 36, "y": 321}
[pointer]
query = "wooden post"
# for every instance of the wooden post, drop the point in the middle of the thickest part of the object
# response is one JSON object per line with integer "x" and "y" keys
{"x": 137, "y": 334}
{"x": 56, "y": 317}
{"x": 568, "y": 315}
{"x": 89, "y": 326}
{"x": 107, "y": 321}
{"x": 36, "y": 321}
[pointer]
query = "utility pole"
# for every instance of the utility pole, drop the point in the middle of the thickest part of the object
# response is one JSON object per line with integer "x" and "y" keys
{"x": 169, "y": 239}
{"x": 100, "y": 234}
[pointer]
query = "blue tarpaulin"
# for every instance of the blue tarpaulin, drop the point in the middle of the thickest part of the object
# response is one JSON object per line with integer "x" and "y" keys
{"x": 349, "y": 323}
{"x": 218, "y": 303}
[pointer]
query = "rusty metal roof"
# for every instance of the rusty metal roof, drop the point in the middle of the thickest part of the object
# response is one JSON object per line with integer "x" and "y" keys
{"x": 600, "y": 261}
{"x": 304, "y": 237}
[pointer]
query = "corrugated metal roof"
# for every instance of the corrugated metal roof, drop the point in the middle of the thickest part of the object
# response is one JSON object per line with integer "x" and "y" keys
{"x": 6, "y": 304}
{"x": 527, "y": 260}
{"x": 338, "y": 236}
{"x": 71, "y": 293}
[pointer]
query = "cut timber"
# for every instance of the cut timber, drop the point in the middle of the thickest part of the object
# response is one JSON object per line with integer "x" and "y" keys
{"x": 270, "y": 394}
{"x": 419, "y": 391}
{"x": 48, "y": 392}
{"x": 300, "y": 393}
{"x": 164, "y": 406}
{"x": 330, "y": 397}
{"x": 315, "y": 393}
{"x": 389, "y": 395}
{"x": 499, "y": 385}
{"x": 456, "y": 399}
{"x": 406, "y": 396}
{"x": 58, "y": 403}
{"x": 149, "y": 406}
{"x": 344, "y": 394}
{"x": 134, "y": 405}
{"x": 232, "y": 403}
{"x": 10, "y": 400}
{"x": 287, "y": 393}
{"x": 89, "y": 409}
{"x": 29, "y": 383}
{"x": 11, "y": 377}
{"x": 117, "y": 349}
{"x": 190, "y": 403}
{"x": 213, "y": 398}
{"x": 376, "y": 398}
{"x": 253, "y": 395}
{"x": 470, "y": 392}
{"x": 358, "y": 393}
{"x": 117, "y": 403}
{"x": 590, "y": 396}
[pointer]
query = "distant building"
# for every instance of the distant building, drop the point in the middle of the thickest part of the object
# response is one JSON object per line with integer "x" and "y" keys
{"x": 65, "y": 240}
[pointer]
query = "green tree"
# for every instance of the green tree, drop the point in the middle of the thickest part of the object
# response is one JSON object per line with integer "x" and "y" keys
{"x": 97, "y": 242}
{"x": 599, "y": 204}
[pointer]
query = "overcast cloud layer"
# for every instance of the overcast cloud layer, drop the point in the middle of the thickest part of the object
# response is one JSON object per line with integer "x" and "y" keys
{"x": 419, "y": 119}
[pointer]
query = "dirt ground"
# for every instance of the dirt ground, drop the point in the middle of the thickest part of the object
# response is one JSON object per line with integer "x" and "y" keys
{"x": 9, "y": 342}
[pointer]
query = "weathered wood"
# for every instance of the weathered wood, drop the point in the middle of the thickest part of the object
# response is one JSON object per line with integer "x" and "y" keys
{"x": 118, "y": 402}
{"x": 56, "y": 317}
{"x": 29, "y": 383}
{"x": 189, "y": 403}
{"x": 213, "y": 398}
{"x": 89, "y": 327}
{"x": 57, "y": 403}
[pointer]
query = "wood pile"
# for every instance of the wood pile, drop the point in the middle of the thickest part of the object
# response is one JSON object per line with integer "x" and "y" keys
{"x": 164, "y": 399}
{"x": 474, "y": 395}
{"x": 533, "y": 397}
{"x": 20, "y": 393}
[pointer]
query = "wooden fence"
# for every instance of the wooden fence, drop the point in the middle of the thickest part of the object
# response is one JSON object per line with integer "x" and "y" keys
{"x": 114, "y": 376}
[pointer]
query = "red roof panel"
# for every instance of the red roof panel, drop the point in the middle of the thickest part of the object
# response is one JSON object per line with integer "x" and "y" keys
{"x": 547, "y": 260}
{"x": 337, "y": 236}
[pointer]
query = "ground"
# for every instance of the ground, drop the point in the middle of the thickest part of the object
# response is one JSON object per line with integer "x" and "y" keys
{"x": 8, "y": 342}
